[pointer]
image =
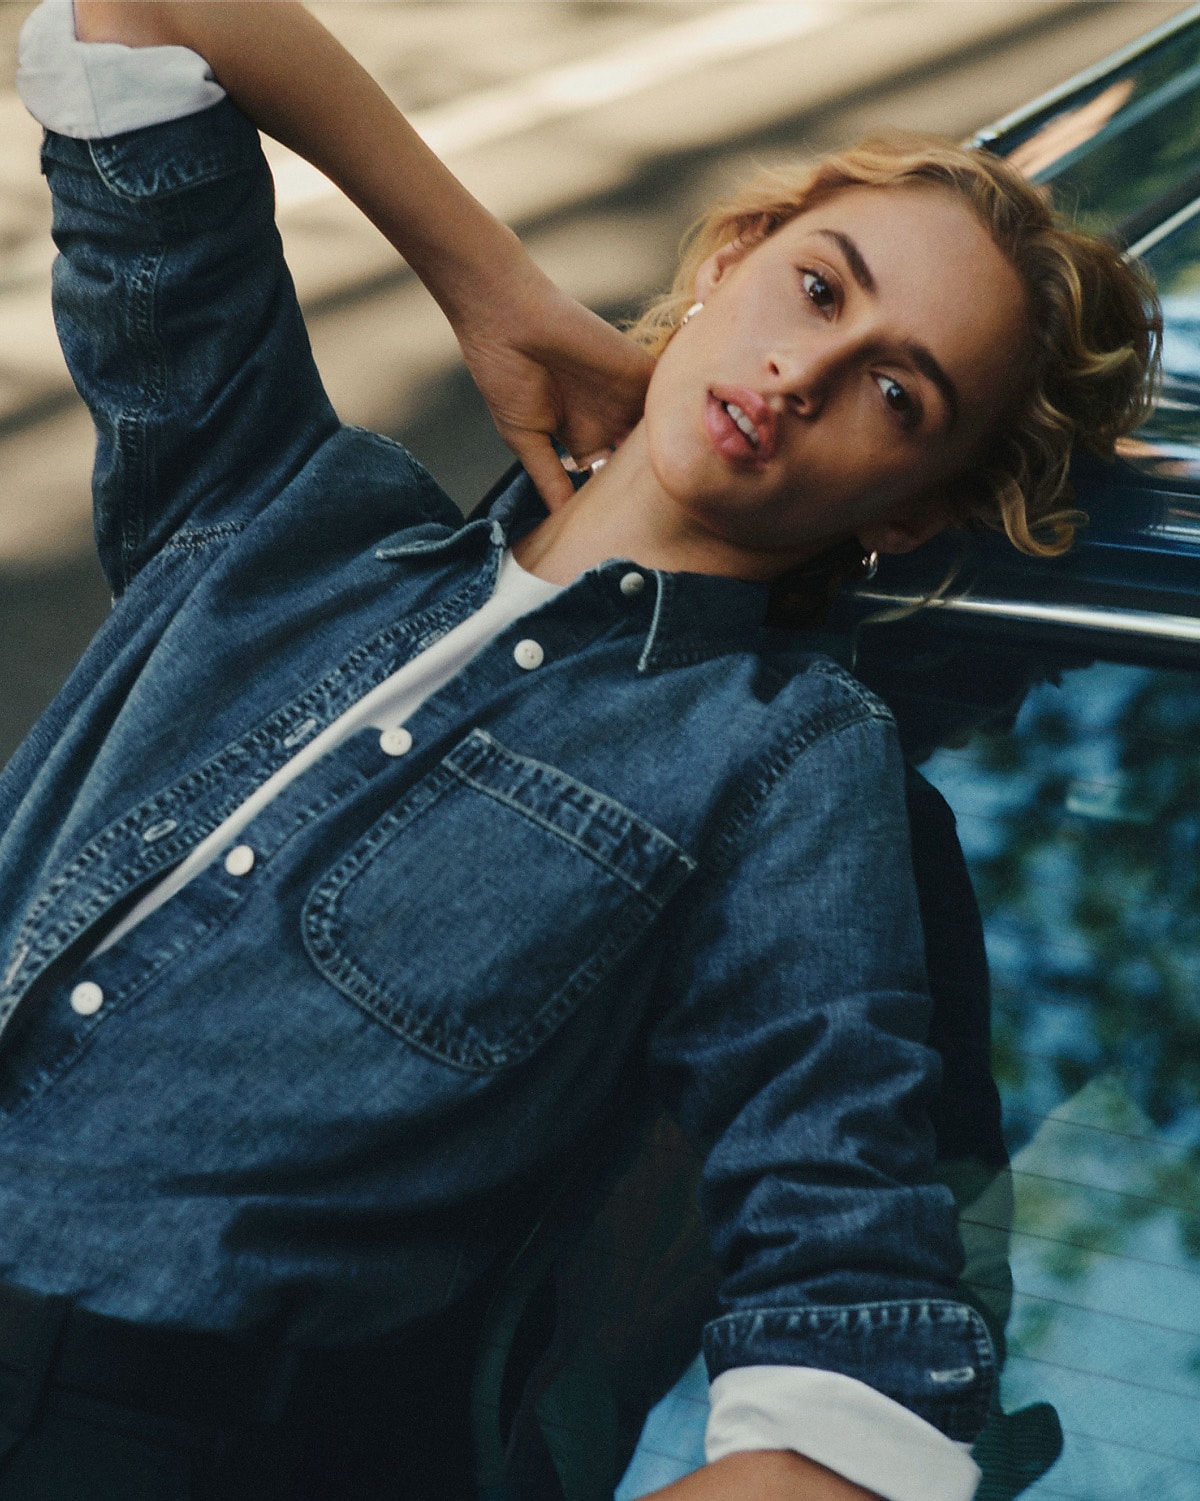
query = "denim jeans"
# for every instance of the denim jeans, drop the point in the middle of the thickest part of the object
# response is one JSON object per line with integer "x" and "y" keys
{"x": 320, "y": 1098}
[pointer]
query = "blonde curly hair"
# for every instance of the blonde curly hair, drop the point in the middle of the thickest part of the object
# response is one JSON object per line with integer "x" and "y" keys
{"x": 1095, "y": 326}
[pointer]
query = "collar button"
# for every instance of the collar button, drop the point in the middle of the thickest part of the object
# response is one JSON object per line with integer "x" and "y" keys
{"x": 632, "y": 584}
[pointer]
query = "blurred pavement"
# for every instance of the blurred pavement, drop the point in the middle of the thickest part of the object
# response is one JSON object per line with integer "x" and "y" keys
{"x": 598, "y": 128}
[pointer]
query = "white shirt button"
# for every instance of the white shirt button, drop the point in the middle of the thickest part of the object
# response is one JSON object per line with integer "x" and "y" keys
{"x": 240, "y": 860}
{"x": 397, "y": 742}
{"x": 632, "y": 583}
{"x": 528, "y": 654}
{"x": 86, "y": 998}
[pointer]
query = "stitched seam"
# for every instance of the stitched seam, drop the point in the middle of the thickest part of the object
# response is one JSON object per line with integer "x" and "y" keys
{"x": 553, "y": 828}
{"x": 129, "y": 994}
{"x": 647, "y": 829}
{"x": 647, "y": 658}
{"x": 263, "y": 740}
{"x": 769, "y": 769}
{"x": 870, "y": 701}
{"x": 833, "y": 1314}
{"x": 192, "y": 538}
{"x": 207, "y": 170}
{"x": 427, "y": 484}
{"x": 129, "y": 426}
{"x": 465, "y": 1048}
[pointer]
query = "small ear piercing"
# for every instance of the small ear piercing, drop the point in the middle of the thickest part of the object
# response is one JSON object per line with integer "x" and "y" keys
{"x": 691, "y": 313}
{"x": 870, "y": 564}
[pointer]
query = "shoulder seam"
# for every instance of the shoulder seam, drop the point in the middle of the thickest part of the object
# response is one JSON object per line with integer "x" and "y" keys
{"x": 764, "y": 773}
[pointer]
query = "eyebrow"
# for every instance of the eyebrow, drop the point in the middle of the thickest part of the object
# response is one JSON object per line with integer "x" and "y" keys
{"x": 859, "y": 269}
{"x": 929, "y": 367}
{"x": 921, "y": 358}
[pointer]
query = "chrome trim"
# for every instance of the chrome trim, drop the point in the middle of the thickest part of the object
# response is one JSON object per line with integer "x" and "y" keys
{"x": 1123, "y": 55}
{"x": 1160, "y": 232}
{"x": 1168, "y": 403}
{"x": 1179, "y": 531}
{"x": 1143, "y": 623}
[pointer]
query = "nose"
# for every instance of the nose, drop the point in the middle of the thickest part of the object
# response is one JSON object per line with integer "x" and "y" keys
{"x": 805, "y": 372}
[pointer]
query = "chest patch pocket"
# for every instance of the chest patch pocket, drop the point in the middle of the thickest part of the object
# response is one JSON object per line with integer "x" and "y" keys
{"x": 474, "y": 916}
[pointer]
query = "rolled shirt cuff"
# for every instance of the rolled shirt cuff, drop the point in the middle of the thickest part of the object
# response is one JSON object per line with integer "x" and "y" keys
{"x": 91, "y": 90}
{"x": 933, "y": 1356}
{"x": 842, "y": 1423}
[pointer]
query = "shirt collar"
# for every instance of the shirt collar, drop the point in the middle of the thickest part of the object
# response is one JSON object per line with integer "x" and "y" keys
{"x": 691, "y": 615}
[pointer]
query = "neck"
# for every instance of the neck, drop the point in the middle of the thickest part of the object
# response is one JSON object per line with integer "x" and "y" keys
{"x": 622, "y": 512}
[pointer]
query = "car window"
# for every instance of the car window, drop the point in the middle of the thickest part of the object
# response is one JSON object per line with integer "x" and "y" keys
{"x": 1123, "y": 152}
{"x": 1082, "y": 829}
{"x": 1167, "y": 446}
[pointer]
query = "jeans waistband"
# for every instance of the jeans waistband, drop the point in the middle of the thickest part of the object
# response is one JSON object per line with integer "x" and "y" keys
{"x": 198, "y": 1377}
{"x": 190, "y": 1375}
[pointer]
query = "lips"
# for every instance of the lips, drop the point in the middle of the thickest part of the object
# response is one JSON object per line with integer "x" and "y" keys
{"x": 740, "y": 425}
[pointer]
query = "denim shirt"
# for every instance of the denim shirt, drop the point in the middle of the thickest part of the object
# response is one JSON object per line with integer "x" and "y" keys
{"x": 320, "y": 1097}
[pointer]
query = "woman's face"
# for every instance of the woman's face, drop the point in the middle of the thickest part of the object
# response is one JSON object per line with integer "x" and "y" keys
{"x": 840, "y": 372}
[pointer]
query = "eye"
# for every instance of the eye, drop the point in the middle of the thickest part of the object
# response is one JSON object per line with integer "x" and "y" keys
{"x": 819, "y": 291}
{"x": 898, "y": 400}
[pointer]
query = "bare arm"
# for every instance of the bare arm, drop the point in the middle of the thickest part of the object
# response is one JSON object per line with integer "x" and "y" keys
{"x": 763, "y": 1475}
{"x": 544, "y": 363}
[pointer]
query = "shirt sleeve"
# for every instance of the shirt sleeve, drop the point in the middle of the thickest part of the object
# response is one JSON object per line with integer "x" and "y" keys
{"x": 841, "y": 1423}
{"x": 91, "y": 90}
{"x": 792, "y": 1048}
{"x": 175, "y": 310}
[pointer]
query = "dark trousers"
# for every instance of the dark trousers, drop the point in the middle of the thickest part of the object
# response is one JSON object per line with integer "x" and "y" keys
{"x": 97, "y": 1410}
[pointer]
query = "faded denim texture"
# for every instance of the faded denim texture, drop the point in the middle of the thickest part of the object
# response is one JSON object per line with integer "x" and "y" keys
{"x": 320, "y": 1098}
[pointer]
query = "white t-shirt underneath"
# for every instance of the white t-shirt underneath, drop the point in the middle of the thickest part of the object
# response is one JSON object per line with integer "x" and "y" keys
{"x": 385, "y": 708}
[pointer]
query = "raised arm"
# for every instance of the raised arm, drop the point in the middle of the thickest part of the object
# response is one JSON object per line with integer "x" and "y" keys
{"x": 544, "y": 363}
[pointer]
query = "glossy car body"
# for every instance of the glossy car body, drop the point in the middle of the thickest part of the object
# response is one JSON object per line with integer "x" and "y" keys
{"x": 1119, "y": 147}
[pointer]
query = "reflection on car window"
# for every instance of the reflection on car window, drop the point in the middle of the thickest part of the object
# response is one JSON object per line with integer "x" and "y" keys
{"x": 1082, "y": 828}
{"x": 1124, "y": 153}
{"x": 1167, "y": 446}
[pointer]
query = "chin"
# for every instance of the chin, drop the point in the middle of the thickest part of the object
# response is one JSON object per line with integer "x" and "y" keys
{"x": 681, "y": 472}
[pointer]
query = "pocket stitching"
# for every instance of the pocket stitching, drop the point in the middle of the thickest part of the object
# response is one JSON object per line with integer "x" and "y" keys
{"x": 465, "y": 1047}
{"x": 567, "y": 838}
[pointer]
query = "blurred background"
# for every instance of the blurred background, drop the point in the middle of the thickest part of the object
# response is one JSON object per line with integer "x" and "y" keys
{"x": 597, "y": 127}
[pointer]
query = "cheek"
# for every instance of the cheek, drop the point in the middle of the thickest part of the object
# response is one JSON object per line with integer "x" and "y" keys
{"x": 674, "y": 431}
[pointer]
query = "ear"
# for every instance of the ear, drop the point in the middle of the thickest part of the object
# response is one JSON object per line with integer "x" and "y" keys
{"x": 711, "y": 271}
{"x": 723, "y": 260}
{"x": 904, "y": 529}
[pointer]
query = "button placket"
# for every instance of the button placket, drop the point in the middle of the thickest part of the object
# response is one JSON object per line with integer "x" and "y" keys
{"x": 396, "y": 742}
{"x": 87, "y": 998}
{"x": 240, "y": 860}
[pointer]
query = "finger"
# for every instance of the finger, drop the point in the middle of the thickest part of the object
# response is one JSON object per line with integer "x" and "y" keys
{"x": 590, "y": 432}
{"x": 544, "y": 468}
{"x": 597, "y": 458}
